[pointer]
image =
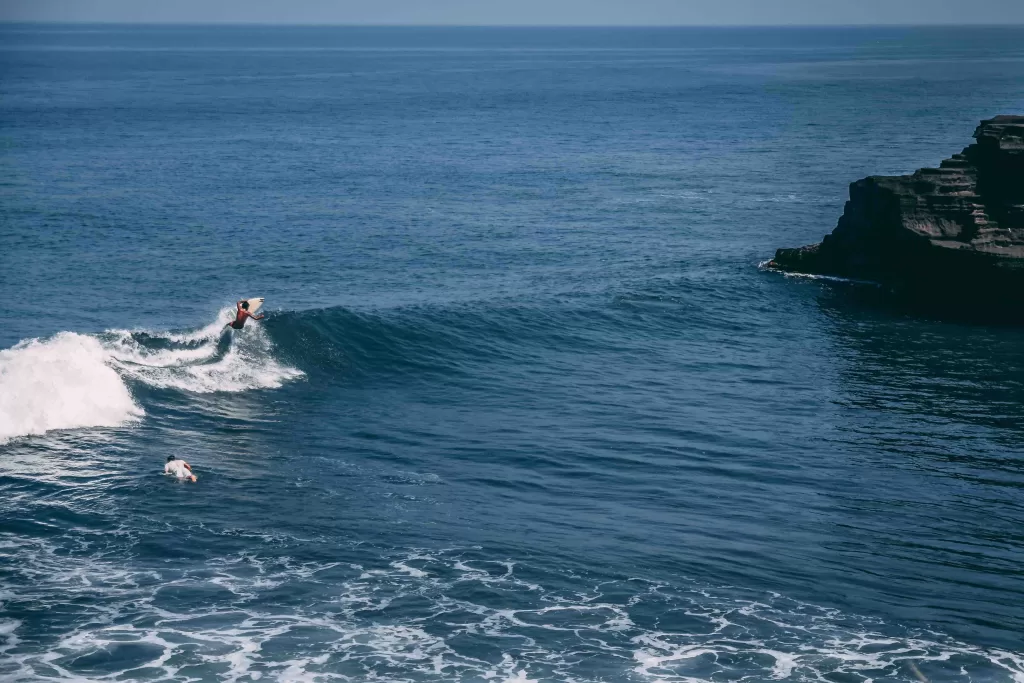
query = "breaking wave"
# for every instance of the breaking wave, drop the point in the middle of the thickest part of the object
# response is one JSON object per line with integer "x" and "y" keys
{"x": 73, "y": 380}
{"x": 61, "y": 383}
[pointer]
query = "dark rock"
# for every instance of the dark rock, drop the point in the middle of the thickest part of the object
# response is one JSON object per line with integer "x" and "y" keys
{"x": 954, "y": 233}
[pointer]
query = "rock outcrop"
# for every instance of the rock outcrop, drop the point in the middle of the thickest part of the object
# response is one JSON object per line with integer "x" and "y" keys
{"x": 955, "y": 232}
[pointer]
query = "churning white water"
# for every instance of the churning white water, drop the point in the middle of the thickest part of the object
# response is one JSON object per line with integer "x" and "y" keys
{"x": 76, "y": 380}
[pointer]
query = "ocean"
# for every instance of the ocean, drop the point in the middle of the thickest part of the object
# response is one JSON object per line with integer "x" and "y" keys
{"x": 525, "y": 405}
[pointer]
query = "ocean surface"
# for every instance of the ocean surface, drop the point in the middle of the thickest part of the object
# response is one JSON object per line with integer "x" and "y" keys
{"x": 524, "y": 406}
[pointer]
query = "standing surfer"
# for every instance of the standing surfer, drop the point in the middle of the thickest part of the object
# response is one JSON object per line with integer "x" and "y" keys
{"x": 243, "y": 313}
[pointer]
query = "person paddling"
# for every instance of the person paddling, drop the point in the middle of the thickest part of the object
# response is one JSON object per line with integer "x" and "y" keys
{"x": 243, "y": 313}
{"x": 179, "y": 468}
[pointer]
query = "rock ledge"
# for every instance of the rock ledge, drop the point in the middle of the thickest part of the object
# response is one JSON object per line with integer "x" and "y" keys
{"x": 956, "y": 231}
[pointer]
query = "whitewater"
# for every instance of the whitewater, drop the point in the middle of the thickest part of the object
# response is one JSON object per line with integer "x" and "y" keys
{"x": 74, "y": 381}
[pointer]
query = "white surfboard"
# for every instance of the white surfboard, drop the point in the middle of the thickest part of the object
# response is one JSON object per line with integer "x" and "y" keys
{"x": 254, "y": 303}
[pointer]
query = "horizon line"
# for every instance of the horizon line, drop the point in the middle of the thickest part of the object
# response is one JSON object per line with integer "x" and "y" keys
{"x": 272, "y": 24}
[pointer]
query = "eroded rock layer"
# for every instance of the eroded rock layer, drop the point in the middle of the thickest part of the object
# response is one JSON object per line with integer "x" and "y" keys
{"x": 955, "y": 231}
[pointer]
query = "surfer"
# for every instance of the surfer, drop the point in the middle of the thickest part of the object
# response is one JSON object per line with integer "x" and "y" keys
{"x": 179, "y": 468}
{"x": 243, "y": 313}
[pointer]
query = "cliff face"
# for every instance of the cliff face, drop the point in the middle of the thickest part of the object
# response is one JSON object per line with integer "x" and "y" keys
{"x": 956, "y": 229}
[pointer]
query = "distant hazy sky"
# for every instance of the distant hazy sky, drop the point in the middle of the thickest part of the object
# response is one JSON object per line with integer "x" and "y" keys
{"x": 519, "y": 12}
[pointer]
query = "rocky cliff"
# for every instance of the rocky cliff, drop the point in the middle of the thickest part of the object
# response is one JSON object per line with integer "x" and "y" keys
{"x": 956, "y": 231}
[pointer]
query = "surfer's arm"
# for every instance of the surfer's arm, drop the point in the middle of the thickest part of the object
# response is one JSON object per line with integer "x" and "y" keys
{"x": 258, "y": 317}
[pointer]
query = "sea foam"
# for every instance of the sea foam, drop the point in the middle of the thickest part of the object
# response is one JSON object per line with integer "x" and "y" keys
{"x": 473, "y": 619}
{"x": 200, "y": 361}
{"x": 61, "y": 383}
{"x": 76, "y": 380}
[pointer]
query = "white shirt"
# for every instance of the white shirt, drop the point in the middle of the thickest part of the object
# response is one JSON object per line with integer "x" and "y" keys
{"x": 177, "y": 468}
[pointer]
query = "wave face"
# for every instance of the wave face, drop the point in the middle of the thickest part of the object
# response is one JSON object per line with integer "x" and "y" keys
{"x": 447, "y": 340}
{"x": 78, "y": 381}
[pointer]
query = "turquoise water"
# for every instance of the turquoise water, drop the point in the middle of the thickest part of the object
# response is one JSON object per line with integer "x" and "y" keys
{"x": 524, "y": 405}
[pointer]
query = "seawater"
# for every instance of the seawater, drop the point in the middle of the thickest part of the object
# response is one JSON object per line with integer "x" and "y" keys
{"x": 524, "y": 406}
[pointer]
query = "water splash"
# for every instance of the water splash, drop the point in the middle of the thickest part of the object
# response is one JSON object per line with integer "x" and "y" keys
{"x": 61, "y": 383}
{"x": 76, "y": 380}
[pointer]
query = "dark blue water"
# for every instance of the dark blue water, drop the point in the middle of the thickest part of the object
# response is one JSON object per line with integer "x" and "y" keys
{"x": 524, "y": 406}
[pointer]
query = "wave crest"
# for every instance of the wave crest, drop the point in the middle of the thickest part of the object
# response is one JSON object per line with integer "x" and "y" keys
{"x": 204, "y": 361}
{"x": 76, "y": 380}
{"x": 61, "y": 383}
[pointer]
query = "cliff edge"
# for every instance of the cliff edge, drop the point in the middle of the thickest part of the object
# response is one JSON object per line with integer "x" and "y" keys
{"x": 955, "y": 231}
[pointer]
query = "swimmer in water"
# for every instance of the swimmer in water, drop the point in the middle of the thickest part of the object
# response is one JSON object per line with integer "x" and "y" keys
{"x": 243, "y": 313}
{"x": 179, "y": 468}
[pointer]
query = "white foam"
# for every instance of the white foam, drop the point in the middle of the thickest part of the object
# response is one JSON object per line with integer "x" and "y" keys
{"x": 411, "y": 571}
{"x": 60, "y": 383}
{"x": 194, "y": 365}
{"x": 75, "y": 380}
{"x": 8, "y": 640}
{"x": 764, "y": 265}
{"x": 557, "y": 635}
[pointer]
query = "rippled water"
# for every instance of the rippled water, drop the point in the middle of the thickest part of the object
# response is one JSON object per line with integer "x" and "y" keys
{"x": 524, "y": 406}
